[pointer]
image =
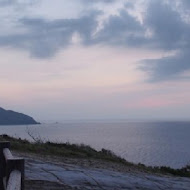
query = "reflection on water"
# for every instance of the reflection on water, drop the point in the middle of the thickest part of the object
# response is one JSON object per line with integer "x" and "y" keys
{"x": 151, "y": 143}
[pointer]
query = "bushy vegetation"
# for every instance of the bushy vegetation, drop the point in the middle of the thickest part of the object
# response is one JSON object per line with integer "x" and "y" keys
{"x": 183, "y": 172}
{"x": 84, "y": 151}
{"x": 60, "y": 149}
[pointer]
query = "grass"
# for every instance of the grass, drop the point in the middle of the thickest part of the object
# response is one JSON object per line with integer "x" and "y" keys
{"x": 84, "y": 151}
{"x": 60, "y": 149}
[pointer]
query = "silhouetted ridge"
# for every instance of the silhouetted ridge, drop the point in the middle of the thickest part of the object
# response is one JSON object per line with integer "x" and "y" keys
{"x": 9, "y": 117}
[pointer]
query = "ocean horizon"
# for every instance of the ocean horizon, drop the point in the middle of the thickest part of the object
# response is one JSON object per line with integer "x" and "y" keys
{"x": 153, "y": 143}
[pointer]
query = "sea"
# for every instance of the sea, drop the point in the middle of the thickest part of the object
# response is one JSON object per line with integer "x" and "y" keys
{"x": 153, "y": 143}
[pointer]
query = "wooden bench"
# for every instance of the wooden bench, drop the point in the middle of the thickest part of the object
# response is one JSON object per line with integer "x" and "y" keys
{"x": 11, "y": 169}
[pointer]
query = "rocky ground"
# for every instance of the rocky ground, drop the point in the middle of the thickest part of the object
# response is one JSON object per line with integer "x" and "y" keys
{"x": 47, "y": 173}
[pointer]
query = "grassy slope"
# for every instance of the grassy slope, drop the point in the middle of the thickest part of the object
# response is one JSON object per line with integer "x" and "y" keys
{"x": 83, "y": 151}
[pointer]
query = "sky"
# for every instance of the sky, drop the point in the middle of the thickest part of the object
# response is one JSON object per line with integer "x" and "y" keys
{"x": 95, "y": 59}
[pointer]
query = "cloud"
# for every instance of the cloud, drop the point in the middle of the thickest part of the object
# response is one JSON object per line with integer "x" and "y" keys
{"x": 167, "y": 68}
{"x": 8, "y": 3}
{"x": 122, "y": 29}
{"x": 170, "y": 32}
{"x": 163, "y": 27}
{"x": 43, "y": 38}
{"x": 3, "y": 2}
{"x": 185, "y": 3}
{"x": 168, "y": 28}
{"x": 97, "y": 1}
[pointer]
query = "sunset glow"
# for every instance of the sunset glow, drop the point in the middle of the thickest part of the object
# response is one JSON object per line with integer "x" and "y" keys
{"x": 98, "y": 60}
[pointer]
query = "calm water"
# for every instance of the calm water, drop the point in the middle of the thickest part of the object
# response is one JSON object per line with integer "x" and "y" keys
{"x": 151, "y": 143}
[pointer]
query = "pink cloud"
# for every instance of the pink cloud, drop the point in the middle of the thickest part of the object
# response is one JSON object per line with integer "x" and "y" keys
{"x": 158, "y": 101}
{"x": 155, "y": 102}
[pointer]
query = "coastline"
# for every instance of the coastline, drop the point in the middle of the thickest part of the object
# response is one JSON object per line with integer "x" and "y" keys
{"x": 69, "y": 166}
{"x": 77, "y": 153}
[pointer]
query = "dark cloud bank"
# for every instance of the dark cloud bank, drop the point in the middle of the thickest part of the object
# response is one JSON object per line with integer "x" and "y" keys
{"x": 169, "y": 30}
